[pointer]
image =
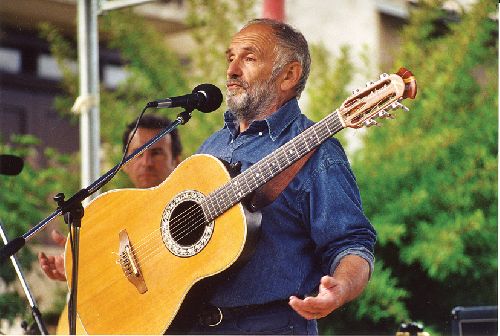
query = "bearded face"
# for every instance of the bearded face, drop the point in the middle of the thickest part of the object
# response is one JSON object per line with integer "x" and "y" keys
{"x": 249, "y": 101}
{"x": 252, "y": 90}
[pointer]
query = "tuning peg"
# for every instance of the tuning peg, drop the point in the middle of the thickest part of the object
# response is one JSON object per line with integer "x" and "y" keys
{"x": 385, "y": 115}
{"x": 370, "y": 123}
{"x": 369, "y": 83}
{"x": 397, "y": 105}
{"x": 355, "y": 91}
{"x": 404, "y": 107}
{"x": 384, "y": 75}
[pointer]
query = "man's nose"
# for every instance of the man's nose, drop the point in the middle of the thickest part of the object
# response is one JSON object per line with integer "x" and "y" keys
{"x": 146, "y": 158}
{"x": 234, "y": 69}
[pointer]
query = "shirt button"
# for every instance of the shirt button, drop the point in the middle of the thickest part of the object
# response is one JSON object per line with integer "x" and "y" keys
{"x": 260, "y": 133}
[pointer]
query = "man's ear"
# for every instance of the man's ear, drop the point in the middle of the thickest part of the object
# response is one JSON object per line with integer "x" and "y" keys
{"x": 291, "y": 76}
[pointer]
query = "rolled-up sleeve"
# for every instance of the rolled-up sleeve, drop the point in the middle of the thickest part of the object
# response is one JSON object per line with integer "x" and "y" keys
{"x": 334, "y": 212}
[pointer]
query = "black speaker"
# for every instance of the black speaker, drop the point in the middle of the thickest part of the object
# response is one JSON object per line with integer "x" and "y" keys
{"x": 474, "y": 321}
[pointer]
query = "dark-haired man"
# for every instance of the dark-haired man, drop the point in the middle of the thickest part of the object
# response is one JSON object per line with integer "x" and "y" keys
{"x": 147, "y": 170}
{"x": 315, "y": 250}
{"x": 155, "y": 164}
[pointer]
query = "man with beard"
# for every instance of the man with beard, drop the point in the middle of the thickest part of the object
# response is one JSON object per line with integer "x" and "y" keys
{"x": 315, "y": 249}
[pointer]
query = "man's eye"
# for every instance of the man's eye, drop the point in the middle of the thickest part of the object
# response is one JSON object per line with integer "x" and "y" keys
{"x": 156, "y": 152}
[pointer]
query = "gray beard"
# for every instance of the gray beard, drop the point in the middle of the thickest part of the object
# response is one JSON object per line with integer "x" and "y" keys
{"x": 252, "y": 103}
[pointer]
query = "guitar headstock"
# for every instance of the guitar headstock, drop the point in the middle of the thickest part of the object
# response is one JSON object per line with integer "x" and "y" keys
{"x": 377, "y": 99}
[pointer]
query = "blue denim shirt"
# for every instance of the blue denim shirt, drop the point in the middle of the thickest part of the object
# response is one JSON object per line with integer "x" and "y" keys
{"x": 314, "y": 222}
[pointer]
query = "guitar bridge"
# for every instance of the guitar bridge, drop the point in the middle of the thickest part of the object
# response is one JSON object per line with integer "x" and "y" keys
{"x": 129, "y": 263}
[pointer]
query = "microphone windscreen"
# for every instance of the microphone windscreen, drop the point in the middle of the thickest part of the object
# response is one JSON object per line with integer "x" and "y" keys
{"x": 10, "y": 164}
{"x": 213, "y": 97}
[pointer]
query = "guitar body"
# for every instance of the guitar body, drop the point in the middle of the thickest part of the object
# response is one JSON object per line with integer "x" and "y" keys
{"x": 108, "y": 302}
{"x": 63, "y": 324}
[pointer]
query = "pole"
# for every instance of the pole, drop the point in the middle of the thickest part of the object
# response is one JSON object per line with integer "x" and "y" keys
{"x": 274, "y": 9}
{"x": 88, "y": 56}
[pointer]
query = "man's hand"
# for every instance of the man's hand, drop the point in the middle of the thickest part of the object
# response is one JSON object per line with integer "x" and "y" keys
{"x": 330, "y": 297}
{"x": 53, "y": 266}
{"x": 346, "y": 284}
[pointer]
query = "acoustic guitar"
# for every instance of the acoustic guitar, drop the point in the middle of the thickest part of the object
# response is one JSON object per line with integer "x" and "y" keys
{"x": 142, "y": 250}
{"x": 63, "y": 324}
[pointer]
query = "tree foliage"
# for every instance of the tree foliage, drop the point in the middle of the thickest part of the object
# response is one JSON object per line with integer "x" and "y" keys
{"x": 25, "y": 200}
{"x": 429, "y": 179}
{"x": 326, "y": 87}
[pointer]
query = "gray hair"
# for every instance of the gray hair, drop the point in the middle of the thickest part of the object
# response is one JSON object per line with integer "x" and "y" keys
{"x": 291, "y": 46}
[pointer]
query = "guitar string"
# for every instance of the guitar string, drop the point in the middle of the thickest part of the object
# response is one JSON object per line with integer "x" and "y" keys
{"x": 190, "y": 226}
{"x": 187, "y": 214}
{"x": 285, "y": 147}
{"x": 143, "y": 260}
{"x": 193, "y": 210}
{"x": 291, "y": 143}
{"x": 152, "y": 248}
{"x": 144, "y": 242}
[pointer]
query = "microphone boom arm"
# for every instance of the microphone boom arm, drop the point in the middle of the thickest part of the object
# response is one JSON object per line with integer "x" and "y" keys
{"x": 17, "y": 243}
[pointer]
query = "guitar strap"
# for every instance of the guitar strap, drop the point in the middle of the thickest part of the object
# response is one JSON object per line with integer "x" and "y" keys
{"x": 267, "y": 193}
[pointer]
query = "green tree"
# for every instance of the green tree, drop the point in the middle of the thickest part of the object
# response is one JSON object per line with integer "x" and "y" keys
{"x": 429, "y": 179}
{"x": 326, "y": 86}
{"x": 24, "y": 201}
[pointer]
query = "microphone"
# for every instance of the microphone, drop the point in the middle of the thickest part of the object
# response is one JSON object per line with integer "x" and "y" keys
{"x": 205, "y": 98}
{"x": 10, "y": 164}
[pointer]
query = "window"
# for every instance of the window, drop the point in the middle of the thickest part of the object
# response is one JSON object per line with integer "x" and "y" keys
{"x": 114, "y": 75}
{"x": 10, "y": 60}
{"x": 49, "y": 69}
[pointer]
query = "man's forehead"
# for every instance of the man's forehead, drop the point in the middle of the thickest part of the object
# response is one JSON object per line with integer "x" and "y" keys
{"x": 144, "y": 134}
{"x": 254, "y": 38}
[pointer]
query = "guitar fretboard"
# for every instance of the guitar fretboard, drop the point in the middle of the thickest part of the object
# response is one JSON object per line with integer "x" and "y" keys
{"x": 261, "y": 172}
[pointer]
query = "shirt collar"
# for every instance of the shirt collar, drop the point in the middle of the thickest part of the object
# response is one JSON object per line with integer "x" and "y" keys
{"x": 276, "y": 122}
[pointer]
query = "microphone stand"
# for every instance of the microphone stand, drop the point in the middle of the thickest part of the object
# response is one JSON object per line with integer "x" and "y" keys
{"x": 72, "y": 211}
{"x": 31, "y": 299}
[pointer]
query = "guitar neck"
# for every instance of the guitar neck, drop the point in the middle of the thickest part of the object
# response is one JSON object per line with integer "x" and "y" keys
{"x": 241, "y": 186}
{"x": 360, "y": 109}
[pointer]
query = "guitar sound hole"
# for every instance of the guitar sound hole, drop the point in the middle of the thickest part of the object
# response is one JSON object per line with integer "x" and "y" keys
{"x": 187, "y": 223}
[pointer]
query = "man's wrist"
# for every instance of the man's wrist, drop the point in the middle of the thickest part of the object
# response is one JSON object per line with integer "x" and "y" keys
{"x": 362, "y": 252}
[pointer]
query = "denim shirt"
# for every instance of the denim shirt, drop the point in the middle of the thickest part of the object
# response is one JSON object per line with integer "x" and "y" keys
{"x": 314, "y": 222}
